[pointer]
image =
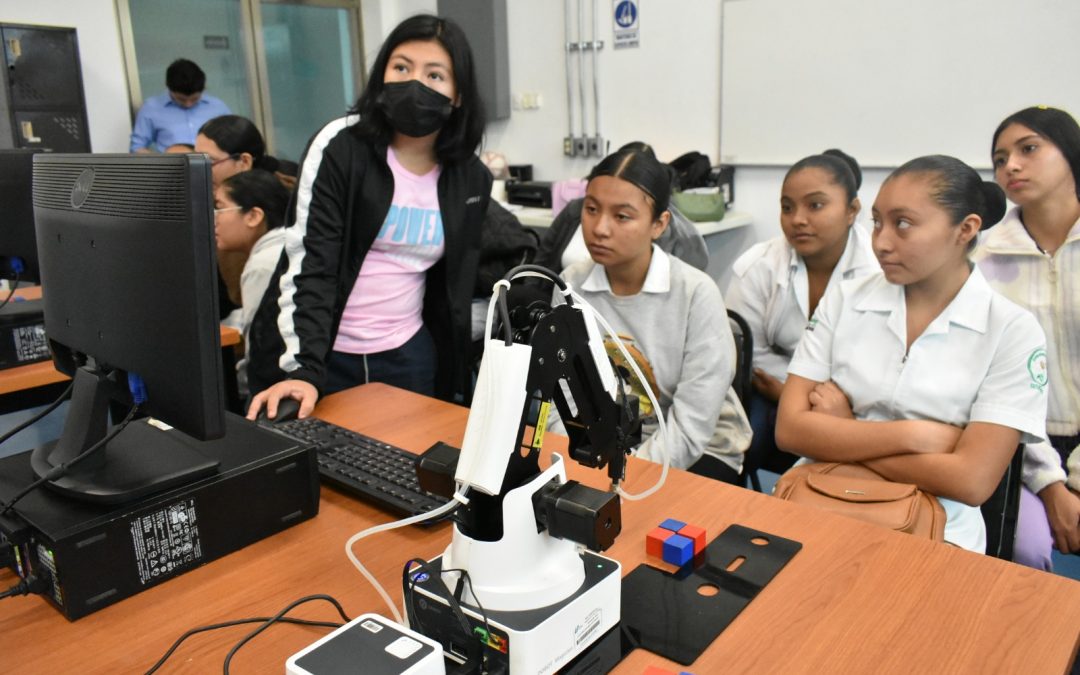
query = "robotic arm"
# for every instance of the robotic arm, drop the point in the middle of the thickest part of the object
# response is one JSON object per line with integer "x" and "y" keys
{"x": 520, "y": 534}
{"x": 549, "y": 354}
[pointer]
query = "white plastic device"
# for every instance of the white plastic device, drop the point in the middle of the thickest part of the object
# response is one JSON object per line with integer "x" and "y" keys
{"x": 382, "y": 646}
{"x": 495, "y": 415}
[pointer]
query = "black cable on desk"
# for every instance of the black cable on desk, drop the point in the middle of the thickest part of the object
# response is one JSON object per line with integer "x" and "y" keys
{"x": 61, "y": 469}
{"x": 36, "y": 418}
{"x": 228, "y": 624}
{"x": 278, "y": 617}
{"x": 32, "y": 584}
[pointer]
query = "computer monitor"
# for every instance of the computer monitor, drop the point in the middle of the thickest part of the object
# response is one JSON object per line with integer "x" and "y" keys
{"x": 127, "y": 254}
{"x": 18, "y": 248}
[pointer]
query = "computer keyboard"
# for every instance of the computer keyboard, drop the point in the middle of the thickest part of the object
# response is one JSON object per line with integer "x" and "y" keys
{"x": 364, "y": 467}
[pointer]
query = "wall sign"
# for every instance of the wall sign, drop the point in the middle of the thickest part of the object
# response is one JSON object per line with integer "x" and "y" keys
{"x": 626, "y": 23}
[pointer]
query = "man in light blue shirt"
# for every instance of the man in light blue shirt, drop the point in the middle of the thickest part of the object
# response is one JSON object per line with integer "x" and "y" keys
{"x": 174, "y": 117}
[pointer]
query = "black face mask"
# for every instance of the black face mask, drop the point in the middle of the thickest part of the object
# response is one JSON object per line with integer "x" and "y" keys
{"x": 414, "y": 109}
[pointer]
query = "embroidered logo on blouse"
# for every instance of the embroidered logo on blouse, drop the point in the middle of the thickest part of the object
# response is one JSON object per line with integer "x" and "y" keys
{"x": 1036, "y": 366}
{"x": 475, "y": 199}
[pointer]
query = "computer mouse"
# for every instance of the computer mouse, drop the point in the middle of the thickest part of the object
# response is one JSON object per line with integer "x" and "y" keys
{"x": 287, "y": 409}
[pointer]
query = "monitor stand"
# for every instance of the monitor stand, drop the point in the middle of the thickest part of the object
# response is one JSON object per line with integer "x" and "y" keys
{"x": 143, "y": 458}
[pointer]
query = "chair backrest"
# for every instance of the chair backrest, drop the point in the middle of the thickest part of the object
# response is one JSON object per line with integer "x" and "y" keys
{"x": 1000, "y": 511}
{"x": 744, "y": 355}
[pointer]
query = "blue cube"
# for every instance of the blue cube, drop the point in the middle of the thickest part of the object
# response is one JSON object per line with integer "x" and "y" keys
{"x": 678, "y": 550}
{"x": 673, "y": 525}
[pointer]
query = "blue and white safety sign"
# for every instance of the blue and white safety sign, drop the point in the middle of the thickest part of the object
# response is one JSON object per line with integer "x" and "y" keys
{"x": 627, "y": 23}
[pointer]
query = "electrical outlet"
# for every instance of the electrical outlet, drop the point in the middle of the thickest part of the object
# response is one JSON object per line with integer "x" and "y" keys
{"x": 581, "y": 146}
{"x": 596, "y": 146}
{"x": 568, "y": 146}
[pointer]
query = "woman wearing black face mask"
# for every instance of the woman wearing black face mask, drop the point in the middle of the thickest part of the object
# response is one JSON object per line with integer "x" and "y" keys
{"x": 376, "y": 279}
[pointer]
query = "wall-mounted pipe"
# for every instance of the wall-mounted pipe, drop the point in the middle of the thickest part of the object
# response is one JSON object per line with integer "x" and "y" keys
{"x": 596, "y": 143}
{"x": 568, "y": 142}
{"x": 582, "y": 144}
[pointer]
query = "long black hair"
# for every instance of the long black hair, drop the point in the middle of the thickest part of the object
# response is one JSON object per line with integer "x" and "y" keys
{"x": 236, "y": 135}
{"x": 461, "y": 134}
{"x": 639, "y": 167}
{"x": 958, "y": 189}
{"x": 1056, "y": 126}
{"x": 840, "y": 165}
{"x": 249, "y": 189}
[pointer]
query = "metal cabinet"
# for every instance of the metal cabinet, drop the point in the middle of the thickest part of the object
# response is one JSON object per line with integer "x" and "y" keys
{"x": 42, "y": 104}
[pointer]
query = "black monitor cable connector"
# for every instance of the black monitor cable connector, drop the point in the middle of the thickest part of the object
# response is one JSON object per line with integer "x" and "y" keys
{"x": 39, "y": 583}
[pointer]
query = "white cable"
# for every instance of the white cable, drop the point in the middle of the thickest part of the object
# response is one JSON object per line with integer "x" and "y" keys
{"x": 458, "y": 499}
{"x": 491, "y": 305}
{"x": 648, "y": 392}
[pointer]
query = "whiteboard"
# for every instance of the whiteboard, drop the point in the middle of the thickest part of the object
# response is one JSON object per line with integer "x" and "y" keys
{"x": 889, "y": 80}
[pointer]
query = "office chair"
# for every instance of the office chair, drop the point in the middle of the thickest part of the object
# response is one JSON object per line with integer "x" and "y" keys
{"x": 744, "y": 358}
{"x": 1001, "y": 509}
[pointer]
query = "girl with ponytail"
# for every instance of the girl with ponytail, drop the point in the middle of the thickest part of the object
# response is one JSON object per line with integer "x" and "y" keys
{"x": 777, "y": 284}
{"x": 671, "y": 311}
{"x": 921, "y": 371}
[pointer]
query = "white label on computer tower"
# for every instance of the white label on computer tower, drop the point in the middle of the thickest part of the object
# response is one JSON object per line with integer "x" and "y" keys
{"x": 30, "y": 343}
{"x": 166, "y": 541}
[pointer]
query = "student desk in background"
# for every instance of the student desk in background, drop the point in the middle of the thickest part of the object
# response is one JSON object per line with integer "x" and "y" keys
{"x": 855, "y": 599}
{"x": 14, "y": 381}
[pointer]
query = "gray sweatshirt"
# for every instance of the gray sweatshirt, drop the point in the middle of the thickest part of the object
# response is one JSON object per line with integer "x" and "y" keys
{"x": 678, "y": 322}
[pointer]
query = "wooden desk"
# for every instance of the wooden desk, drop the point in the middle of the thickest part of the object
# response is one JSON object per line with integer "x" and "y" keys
{"x": 856, "y": 599}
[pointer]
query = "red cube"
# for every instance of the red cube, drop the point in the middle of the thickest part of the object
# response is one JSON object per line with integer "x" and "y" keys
{"x": 697, "y": 534}
{"x": 654, "y": 541}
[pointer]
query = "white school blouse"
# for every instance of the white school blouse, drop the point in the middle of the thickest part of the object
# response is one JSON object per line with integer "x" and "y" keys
{"x": 771, "y": 290}
{"x": 983, "y": 359}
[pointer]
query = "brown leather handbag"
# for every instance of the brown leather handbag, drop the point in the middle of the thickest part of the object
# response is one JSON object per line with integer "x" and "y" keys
{"x": 857, "y": 491}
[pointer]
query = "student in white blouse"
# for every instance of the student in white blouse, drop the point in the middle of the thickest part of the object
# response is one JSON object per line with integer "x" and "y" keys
{"x": 777, "y": 284}
{"x": 921, "y": 371}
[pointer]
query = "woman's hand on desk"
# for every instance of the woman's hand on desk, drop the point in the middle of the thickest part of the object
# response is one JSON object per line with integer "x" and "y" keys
{"x": 302, "y": 391}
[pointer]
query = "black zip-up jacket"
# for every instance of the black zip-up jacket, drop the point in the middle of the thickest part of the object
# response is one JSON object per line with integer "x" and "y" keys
{"x": 342, "y": 197}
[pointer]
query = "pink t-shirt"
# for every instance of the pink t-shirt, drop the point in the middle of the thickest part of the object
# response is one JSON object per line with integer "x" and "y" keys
{"x": 384, "y": 307}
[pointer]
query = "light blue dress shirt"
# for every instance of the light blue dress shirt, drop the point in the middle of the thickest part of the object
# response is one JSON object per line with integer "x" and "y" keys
{"x": 161, "y": 122}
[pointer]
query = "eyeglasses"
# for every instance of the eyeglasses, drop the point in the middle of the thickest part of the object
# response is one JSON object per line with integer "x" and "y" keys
{"x": 226, "y": 208}
{"x": 215, "y": 162}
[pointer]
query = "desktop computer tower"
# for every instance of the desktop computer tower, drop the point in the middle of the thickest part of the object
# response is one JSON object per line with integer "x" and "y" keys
{"x": 42, "y": 104}
{"x": 96, "y": 555}
{"x": 22, "y": 334}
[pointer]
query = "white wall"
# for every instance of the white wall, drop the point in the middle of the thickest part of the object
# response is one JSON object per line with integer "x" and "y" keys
{"x": 104, "y": 81}
{"x": 663, "y": 92}
{"x": 379, "y": 18}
